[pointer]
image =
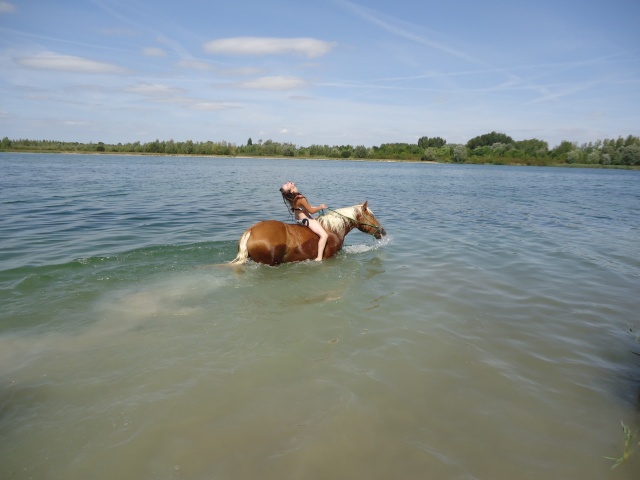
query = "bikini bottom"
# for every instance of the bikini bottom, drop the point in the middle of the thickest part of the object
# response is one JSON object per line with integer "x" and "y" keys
{"x": 303, "y": 221}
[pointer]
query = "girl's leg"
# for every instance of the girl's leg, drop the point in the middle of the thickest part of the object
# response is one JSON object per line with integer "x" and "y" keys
{"x": 316, "y": 228}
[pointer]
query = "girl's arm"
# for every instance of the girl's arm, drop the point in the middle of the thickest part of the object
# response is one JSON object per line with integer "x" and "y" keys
{"x": 304, "y": 204}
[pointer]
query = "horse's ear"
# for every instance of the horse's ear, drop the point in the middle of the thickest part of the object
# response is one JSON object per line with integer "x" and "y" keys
{"x": 364, "y": 207}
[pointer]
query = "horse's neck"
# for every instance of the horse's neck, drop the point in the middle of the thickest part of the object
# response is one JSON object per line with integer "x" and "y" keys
{"x": 343, "y": 232}
{"x": 343, "y": 229}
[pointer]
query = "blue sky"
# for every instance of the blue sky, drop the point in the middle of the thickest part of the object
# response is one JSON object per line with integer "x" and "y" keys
{"x": 323, "y": 72}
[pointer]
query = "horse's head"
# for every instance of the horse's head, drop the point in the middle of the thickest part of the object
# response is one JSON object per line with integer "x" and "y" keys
{"x": 367, "y": 223}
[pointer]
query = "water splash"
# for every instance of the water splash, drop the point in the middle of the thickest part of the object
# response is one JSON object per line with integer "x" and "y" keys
{"x": 367, "y": 247}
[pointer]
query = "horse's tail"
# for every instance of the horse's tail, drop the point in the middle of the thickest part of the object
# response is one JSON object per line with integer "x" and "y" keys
{"x": 243, "y": 252}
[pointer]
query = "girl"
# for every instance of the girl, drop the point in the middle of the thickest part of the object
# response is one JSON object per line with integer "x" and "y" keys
{"x": 303, "y": 211}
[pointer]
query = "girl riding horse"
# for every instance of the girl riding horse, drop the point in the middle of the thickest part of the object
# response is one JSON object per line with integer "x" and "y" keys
{"x": 300, "y": 207}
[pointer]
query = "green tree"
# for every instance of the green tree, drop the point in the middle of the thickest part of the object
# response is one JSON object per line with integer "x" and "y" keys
{"x": 6, "y": 143}
{"x": 631, "y": 140}
{"x": 360, "y": 151}
{"x": 574, "y": 156}
{"x": 289, "y": 150}
{"x": 594, "y": 157}
{"x": 269, "y": 147}
{"x": 458, "y": 153}
{"x": 563, "y": 149}
{"x": 187, "y": 147}
{"x": 533, "y": 147}
{"x": 489, "y": 139}
{"x": 435, "y": 142}
{"x": 171, "y": 148}
{"x": 319, "y": 150}
{"x": 430, "y": 154}
{"x": 630, "y": 155}
{"x": 481, "y": 151}
{"x": 153, "y": 147}
{"x": 501, "y": 149}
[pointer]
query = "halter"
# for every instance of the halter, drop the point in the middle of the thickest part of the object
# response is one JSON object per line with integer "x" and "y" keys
{"x": 377, "y": 227}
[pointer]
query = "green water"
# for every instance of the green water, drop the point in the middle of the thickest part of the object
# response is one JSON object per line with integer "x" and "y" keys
{"x": 487, "y": 337}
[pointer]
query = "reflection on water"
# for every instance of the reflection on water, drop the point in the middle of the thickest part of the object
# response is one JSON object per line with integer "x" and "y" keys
{"x": 486, "y": 337}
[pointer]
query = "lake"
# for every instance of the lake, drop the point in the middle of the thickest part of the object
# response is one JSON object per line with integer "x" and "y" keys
{"x": 490, "y": 335}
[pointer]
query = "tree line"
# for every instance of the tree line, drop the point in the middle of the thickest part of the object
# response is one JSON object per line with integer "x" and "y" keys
{"x": 489, "y": 148}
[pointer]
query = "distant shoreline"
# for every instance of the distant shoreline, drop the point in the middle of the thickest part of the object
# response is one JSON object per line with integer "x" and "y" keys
{"x": 195, "y": 155}
{"x": 282, "y": 157}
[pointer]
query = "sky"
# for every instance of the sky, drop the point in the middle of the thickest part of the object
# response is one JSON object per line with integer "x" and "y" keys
{"x": 329, "y": 72}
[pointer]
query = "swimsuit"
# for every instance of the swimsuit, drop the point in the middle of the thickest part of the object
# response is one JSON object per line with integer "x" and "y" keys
{"x": 304, "y": 221}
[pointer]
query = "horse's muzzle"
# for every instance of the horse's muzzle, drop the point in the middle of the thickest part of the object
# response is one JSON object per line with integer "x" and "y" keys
{"x": 381, "y": 232}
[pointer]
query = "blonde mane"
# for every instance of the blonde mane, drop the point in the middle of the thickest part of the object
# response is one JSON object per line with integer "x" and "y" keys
{"x": 337, "y": 220}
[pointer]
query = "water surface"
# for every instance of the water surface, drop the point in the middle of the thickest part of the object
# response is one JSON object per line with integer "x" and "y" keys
{"x": 488, "y": 336}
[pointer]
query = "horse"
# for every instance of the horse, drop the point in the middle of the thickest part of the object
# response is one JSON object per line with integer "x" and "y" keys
{"x": 273, "y": 242}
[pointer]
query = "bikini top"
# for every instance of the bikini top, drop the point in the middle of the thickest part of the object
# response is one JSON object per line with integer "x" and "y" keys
{"x": 293, "y": 209}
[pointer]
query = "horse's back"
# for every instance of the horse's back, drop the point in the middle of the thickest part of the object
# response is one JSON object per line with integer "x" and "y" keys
{"x": 268, "y": 228}
{"x": 268, "y": 242}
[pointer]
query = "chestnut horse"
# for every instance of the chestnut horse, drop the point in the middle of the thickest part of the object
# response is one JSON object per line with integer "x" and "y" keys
{"x": 273, "y": 242}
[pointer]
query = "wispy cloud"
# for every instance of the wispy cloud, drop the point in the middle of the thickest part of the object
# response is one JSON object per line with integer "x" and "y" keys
{"x": 154, "y": 52}
{"x": 152, "y": 89}
{"x": 203, "y": 66}
{"x": 51, "y": 40}
{"x": 308, "y": 47}
{"x": 7, "y": 7}
{"x": 69, "y": 64}
{"x": 559, "y": 93}
{"x": 406, "y": 30}
{"x": 241, "y": 72}
{"x": 273, "y": 83}
{"x": 212, "y": 106}
{"x": 164, "y": 94}
{"x": 138, "y": 26}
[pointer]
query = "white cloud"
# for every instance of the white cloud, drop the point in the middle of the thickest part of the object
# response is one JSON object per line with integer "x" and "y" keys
{"x": 153, "y": 52}
{"x": 7, "y": 7}
{"x": 211, "y": 106}
{"x": 153, "y": 89}
{"x": 246, "y": 71}
{"x": 273, "y": 83}
{"x": 309, "y": 47}
{"x": 68, "y": 63}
